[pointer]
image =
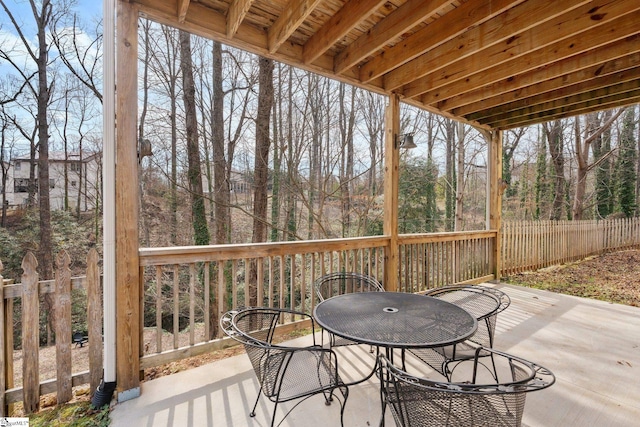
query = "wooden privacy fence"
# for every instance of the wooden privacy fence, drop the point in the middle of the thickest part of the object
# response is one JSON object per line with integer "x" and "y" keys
{"x": 531, "y": 245}
{"x": 30, "y": 293}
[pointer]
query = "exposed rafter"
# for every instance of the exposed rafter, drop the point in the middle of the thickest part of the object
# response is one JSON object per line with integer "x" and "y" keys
{"x": 438, "y": 32}
{"x": 352, "y": 13}
{"x": 403, "y": 19}
{"x": 183, "y": 5}
{"x": 237, "y": 11}
{"x": 292, "y": 16}
{"x": 494, "y": 64}
{"x": 528, "y": 49}
{"x": 501, "y": 30}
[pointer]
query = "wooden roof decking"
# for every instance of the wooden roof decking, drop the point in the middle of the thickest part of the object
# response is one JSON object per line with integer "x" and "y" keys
{"x": 495, "y": 64}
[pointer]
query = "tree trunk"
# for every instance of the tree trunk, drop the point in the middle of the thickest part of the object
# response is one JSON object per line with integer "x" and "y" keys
{"x": 194, "y": 173}
{"x": 46, "y": 244}
{"x": 222, "y": 191}
{"x": 277, "y": 159}
{"x": 459, "y": 219}
{"x": 541, "y": 174}
{"x": 450, "y": 170}
{"x": 556, "y": 148}
{"x": 261, "y": 168}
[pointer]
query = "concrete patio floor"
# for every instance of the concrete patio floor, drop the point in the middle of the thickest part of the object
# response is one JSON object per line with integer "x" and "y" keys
{"x": 592, "y": 347}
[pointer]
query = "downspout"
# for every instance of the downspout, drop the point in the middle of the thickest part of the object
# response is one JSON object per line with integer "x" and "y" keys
{"x": 104, "y": 393}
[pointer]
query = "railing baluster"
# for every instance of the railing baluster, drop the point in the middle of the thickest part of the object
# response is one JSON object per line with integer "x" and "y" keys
{"x": 158, "y": 309}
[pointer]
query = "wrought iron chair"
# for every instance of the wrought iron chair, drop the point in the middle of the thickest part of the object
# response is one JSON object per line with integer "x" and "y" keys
{"x": 284, "y": 373}
{"x": 341, "y": 283}
{"x": 474, "y": 400}
{"x": 482, "y": 302}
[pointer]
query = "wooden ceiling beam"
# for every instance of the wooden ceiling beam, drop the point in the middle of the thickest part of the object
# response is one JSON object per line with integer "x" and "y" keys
{"x": 406, "y": 17}
{"x": 206, "y": 22}
{"x": 235, "y": 15}
{"x": 501, "y": 28}
{"x": 183, "y": 5}
{"x": 590, "y": 106}
{"x": 588, "y": 80}
{"x": 562, "y": 35}
{"x": 572, "y": 95}
{"x": 571, "y": 55}
{"x": 489, "y": 99}
{"x": 352, "y": 13}
{"x": 440, "y": 31}
{"x": 291, "y": 18}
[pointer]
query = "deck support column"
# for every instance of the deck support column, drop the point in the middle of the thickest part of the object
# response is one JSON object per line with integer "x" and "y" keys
{"x": 391, "y": 163}
{"x": 494, "y": 198}
{"x": 127, "y": 201}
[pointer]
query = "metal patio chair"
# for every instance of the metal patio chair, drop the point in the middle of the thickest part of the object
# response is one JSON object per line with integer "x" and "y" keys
{"x": 482, "y": 302}
{"x": 284, "y": 373}
{"x": 476, "y": 399}
{"x": 340, "y": 283}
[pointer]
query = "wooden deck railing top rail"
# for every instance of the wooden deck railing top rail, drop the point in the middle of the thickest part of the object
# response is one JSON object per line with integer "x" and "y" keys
{"x": 185, "y": 254}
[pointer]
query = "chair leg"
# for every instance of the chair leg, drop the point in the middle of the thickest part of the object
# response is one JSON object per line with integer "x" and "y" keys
{"x": 345, "y": 395}
{"x": 255, "y": 405}
{"x": 273, "y": 417}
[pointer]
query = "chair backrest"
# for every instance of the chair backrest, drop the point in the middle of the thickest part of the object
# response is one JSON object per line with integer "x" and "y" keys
{"x": 255, "y": 327}
{"x": 340, "y": 283}
{"x": 482, "y": 302}
{"x": 416, "y": 401}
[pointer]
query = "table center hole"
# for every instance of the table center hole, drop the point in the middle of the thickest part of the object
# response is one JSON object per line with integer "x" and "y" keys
{"x": 390, "y": 310}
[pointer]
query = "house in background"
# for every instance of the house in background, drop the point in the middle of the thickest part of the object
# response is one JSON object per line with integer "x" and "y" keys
{"x": 74, "y": 181}
{"x": 6, "y": 184}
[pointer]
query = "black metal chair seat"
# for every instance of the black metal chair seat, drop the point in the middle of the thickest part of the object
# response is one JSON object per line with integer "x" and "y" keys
{"x": 482, "y": 302}
{"x": 79, "y": 339}
{"x": 284, "y": 373}
{"x": 476, "y": 399}
{"x": 341, "y": 283}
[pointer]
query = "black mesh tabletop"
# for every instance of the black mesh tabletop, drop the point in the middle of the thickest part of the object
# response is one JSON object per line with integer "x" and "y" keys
{"x": 395, "y": 319}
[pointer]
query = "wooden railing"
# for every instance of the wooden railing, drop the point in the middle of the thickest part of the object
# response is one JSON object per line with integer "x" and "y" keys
{"x": 432, "y": 260}
{"x": 531, "y": 245}
{"x": 30, "y": 291}
{"x": 206, "y": 281}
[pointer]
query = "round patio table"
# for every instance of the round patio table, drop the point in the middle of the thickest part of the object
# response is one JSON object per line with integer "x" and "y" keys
{"x": 395, "y": 320}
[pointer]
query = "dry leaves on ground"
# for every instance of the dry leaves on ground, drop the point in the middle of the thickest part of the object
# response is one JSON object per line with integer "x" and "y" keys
{"x": 613, "y": 277}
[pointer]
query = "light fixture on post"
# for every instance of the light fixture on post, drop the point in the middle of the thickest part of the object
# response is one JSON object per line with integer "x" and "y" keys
{"x": 405, "y": 141}
{"x": 144, "y": 149}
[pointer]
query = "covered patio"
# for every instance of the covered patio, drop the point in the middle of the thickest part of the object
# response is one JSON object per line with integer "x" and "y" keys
{"x": 494, "y": 65}
{"x": 591, "y": 346}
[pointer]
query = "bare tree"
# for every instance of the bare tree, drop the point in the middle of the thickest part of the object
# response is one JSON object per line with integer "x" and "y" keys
{"x": 555, "y": 138}
{"x": 460, "y": 178}
{"x": 164, "y": 55}
{"x": 261, "y": 170}
{"x": 82, "y": 60}
{"x": 199, "y": 218}
{"x": 42, "y": 90}
{"x": 593, "y": 130}
{"x": 5, "y": 149}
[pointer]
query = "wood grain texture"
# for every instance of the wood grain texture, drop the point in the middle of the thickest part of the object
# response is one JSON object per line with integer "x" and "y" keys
{"x": 30, "y": 334}
{"x": 63, "y": 327}
{"x": 127, "y": 273}
{"x": 94, "y": 319}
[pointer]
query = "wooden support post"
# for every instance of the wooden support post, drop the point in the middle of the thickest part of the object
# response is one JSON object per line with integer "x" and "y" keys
{"x": 494, "y": 205}
{"x": 391, "y": 163}
{"x": 127, "y": 265}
